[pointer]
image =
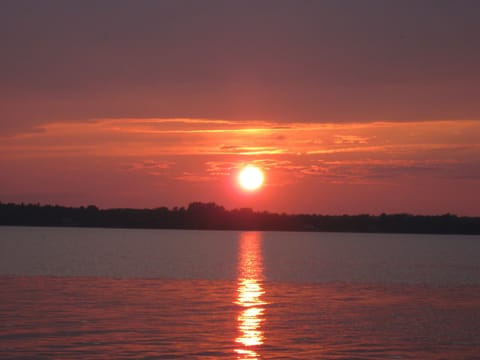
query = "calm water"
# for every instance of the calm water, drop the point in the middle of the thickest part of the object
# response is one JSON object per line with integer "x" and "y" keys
{"x": 103, "y": 293}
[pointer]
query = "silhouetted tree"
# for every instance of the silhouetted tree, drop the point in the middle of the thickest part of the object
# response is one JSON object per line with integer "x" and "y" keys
{"x": 200, "y": 215}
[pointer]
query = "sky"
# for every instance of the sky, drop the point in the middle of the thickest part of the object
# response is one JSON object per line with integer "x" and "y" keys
{"x": 347, "y": 106}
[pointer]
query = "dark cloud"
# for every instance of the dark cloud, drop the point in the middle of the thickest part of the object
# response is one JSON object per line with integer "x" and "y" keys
{"x": 270, "y": 60}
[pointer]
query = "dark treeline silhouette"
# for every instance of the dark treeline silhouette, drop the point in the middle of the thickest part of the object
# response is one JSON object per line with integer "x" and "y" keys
{"x": 212, "y": 216}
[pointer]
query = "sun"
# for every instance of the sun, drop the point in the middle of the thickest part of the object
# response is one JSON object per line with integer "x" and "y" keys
{"x": 250, "y": 178}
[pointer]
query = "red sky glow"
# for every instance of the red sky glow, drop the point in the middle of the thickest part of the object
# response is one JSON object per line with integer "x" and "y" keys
{"x": 348, "y": 107}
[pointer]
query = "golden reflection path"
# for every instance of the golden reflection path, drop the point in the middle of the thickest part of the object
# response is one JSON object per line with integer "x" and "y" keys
{"x": 250, "y": 291}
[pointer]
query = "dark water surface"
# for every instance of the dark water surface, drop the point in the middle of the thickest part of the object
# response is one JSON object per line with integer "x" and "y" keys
{"x": 96, "y": 294}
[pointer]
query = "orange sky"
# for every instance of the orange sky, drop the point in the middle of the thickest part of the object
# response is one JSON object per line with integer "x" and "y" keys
{"x": 349, "y": 106}
{"x": 420, "y": 167}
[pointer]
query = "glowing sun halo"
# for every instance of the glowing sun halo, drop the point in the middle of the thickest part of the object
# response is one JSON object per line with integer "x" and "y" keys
{"x": 250, "y": 178}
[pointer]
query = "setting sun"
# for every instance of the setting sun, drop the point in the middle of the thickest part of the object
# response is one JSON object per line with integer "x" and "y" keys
{"x": 250, "y": 178}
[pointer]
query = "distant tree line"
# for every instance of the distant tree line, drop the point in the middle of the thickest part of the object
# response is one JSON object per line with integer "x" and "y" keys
{"x": 214, "y": 217}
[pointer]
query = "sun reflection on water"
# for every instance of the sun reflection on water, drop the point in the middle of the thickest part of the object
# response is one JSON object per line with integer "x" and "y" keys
{"x": 250, "y": 291}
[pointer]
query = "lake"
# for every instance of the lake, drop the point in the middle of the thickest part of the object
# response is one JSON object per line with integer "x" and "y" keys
{"x": 76, "y": 293}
